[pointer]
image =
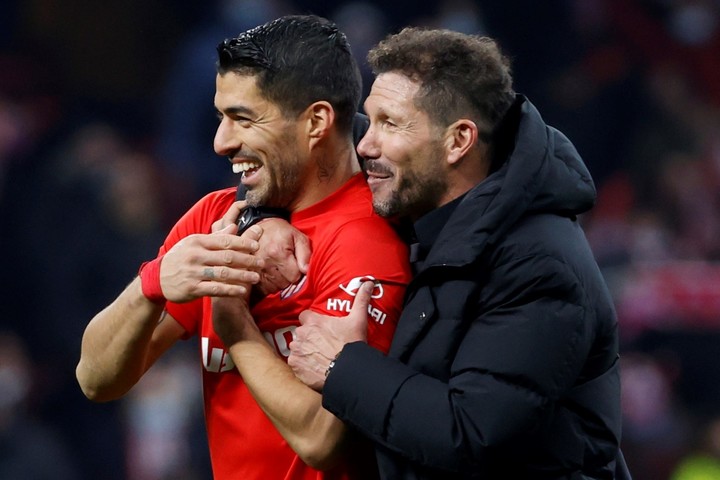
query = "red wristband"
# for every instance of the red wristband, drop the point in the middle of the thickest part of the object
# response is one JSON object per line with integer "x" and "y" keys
{"x": 150, "y": 280}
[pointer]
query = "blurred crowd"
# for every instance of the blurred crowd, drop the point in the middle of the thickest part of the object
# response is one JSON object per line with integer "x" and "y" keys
{"x": 106, "y": 128}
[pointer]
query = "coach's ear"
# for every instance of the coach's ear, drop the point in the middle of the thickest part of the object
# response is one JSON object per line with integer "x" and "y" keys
{"x": 460, "y": 137}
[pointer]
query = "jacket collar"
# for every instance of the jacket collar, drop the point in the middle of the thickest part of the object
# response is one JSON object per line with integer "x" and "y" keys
{"x": 543, "y": 172}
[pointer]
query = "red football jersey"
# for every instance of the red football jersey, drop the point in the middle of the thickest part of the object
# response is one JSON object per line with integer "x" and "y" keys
{"x": 350, "y": 243}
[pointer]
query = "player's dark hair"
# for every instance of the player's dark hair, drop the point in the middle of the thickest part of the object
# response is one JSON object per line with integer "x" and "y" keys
{"x": 297, "y": 60}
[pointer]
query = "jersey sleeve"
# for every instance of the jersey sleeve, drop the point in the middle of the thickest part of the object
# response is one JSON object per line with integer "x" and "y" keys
{"x": 198, "y": 219}
{"x": 363, "y": 249}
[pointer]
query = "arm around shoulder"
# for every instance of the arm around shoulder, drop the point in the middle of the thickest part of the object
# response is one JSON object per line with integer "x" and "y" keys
{"x": 449, "y": 408}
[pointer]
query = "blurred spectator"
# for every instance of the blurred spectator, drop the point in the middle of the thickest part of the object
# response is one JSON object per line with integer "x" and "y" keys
{"x": 160, "y": 413}
{"x": 680, "y": 34}
{"x": 79, "y": 223}
{"x": 29, "y": 449}
{"x": 609, "y": 227}
{"x": 655, "y": 430}
{"x": 694, "y": 217}
{"x": 94, "y": 209}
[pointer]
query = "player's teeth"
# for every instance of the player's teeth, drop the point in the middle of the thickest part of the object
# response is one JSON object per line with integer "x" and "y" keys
{"x": 244, "y": 167}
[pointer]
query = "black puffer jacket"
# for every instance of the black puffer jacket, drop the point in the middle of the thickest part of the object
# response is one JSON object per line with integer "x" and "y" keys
{"x": 505, "y": 360}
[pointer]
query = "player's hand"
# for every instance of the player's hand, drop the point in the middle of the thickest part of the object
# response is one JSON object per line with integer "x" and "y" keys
{"x": 230, "y": 217}
{"x": 232, "y": 320}
{"x": 284, "y": 248}
{"x": 286, "y": 253}
{"x": 320, "y": 338}
{"x": 218, "y": 264}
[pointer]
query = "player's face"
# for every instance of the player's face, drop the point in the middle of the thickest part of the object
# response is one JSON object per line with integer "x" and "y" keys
{"x": 259, "y": 141}
{"x": 404, "y": 152}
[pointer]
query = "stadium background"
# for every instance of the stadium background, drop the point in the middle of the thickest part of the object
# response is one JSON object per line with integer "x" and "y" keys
{"x": 106, "y": 127}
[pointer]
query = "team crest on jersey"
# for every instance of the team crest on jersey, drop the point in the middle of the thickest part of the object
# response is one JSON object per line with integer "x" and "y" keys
{"x": 353, "y": 285}
{"x": 293, "y": 289}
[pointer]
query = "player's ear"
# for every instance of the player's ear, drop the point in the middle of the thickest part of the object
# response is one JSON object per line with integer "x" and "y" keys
{"x": 320, "y": 119}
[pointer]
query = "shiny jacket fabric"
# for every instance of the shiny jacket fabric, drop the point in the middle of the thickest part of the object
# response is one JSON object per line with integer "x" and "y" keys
{"x": 505, "y": 360}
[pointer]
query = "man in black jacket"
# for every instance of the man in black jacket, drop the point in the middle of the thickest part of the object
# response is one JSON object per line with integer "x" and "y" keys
{"x": 505, "y": 361}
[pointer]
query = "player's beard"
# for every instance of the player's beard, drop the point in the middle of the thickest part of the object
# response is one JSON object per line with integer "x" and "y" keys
{"x": 283, "y": 175}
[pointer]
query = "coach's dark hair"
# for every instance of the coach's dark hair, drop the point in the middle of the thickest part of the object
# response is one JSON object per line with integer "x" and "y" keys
{"x": 461, "y": 76}
{"x": 298, "y": 60}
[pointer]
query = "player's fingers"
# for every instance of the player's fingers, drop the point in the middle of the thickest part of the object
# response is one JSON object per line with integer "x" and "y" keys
{"x": 302, "y": 251}
{"x": 226, "y": 239}
{"x": 253, "y": 233}
{"x": 231, "y": 216}
{"x": 227, "y": 275}
{"x": 224, "y": 229}
{"x": 220, "y": 289}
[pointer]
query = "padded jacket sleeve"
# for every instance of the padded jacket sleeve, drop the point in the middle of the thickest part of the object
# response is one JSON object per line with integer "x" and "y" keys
{"x": 524, "y": 347}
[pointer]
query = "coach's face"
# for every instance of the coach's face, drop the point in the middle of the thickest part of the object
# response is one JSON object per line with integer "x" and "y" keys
{"x": 404, "y": 151}
{"x": 259, "y": 141}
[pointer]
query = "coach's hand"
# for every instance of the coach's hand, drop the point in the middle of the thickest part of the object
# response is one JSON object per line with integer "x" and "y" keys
{"x": 320, "y": 338}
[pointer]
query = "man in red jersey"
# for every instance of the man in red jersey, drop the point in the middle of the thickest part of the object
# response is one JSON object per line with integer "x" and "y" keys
{"x": 286, "y": 94}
